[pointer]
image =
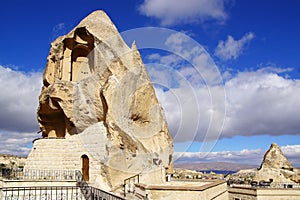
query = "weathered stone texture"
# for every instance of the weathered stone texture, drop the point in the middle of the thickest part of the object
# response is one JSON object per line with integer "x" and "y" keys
{"x": 98, "y": 96}
{"x": 276, "y": 166}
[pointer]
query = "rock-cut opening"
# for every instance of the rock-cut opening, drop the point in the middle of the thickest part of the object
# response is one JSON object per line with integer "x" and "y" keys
{"x": 78, "y": 58}
{"x": 53, "y": 120}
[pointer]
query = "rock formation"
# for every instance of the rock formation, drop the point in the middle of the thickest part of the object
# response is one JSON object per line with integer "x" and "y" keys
{"x": 98, "y": 111}
{"x": 275, "y": 166}
{"x": 274, "y": 158}
{"x": 12, "y": 161}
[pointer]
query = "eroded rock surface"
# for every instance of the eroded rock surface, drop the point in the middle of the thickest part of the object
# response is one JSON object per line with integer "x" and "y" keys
{"x": 98, "y": 97}
{"x": 275, "y": 166}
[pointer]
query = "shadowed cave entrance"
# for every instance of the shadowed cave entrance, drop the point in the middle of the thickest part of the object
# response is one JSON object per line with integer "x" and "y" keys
{"x": 53, "y": 120}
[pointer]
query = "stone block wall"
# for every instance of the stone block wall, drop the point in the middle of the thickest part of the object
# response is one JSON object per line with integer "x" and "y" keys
{"x": 66, "y": 154}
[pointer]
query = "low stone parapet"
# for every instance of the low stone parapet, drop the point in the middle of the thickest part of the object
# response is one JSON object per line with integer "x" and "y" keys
{"x": 263, "y": 193}
{"x": 179, "y": 190}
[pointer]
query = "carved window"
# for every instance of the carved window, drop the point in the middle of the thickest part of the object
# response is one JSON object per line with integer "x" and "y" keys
{"x": 78, "y": 63}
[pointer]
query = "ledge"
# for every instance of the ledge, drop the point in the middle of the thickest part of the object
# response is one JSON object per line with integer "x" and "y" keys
{"x": 181, "y": 188}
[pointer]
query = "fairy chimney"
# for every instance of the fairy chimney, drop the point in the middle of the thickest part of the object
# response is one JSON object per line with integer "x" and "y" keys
{"x": 98, "y": 111}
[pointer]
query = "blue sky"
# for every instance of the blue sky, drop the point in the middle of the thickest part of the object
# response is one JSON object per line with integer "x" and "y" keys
{"x": 254, "y": 45}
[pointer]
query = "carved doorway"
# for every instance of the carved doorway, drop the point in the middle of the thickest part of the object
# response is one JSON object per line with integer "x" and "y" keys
{"x": 85, "y": 167}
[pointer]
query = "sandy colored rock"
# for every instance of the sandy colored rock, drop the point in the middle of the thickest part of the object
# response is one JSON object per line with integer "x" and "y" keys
{"x": 12, "y": 161}
{"x": 274, "y": 158}
{"x": 98, "y": 97}
{"x": 276, "y": 166}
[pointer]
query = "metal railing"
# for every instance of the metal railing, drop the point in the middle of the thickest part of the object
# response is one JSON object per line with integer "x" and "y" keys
{"x": 271, "y": 185}
{"x": 84, "y": 187}
{"x": 129, "y": 184}
{"x": 33, "y": 174}
{"x": 43, "y": 193}
{"x": 81, "y": 191}
{"x": 91, "y": 193}
{"x": 100, "y": 194}
{"x": 285, "y": 185}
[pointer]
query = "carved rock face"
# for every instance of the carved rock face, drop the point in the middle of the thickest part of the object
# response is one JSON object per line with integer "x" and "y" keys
{"x": 274, "y": 158}
{"x": 92, "y": 77}
{"x": 276, "y": 167}
{"x": 70, "y": 67}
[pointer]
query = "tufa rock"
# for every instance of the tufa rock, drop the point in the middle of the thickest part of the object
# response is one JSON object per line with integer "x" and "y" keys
{"x": 274, "y": 158}
{"x": 276, "y": 167}
{"x": 98, "y": 111}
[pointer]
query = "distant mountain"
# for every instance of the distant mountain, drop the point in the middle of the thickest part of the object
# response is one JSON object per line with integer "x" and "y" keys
{"x": 218, "y": 166}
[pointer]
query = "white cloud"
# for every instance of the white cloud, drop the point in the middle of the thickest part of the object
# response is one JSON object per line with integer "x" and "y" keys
{"x": 262, "y": 103}
{"x": 192, "y": 94}
{"x": 171, "y": 12}
{"x": 231, "y": 48}
{"x": 189, "y": 87}
{"x": 59, "y": 27}
{"x": 272, "y": 69}
{"x": 58, "y": 30}
{"x": 19, "y": 100}
{"x": 292, "y": 152}
{"x": 194, "y": 54}
{"x": 257, "y": 103}
{"x": 16, "y": 143}
{"x": 245, "y": 156}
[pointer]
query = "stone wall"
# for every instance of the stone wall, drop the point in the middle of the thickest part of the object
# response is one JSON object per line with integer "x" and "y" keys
{"x": 66, "y": 154}
{"x": 244, "y": 193}
{"x": 216, "y": 190}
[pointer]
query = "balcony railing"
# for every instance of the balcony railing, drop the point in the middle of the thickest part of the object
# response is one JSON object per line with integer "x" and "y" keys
{"x": 32, "y": 174}
{"x": 129, "y": 184}
{"x": 285, "y": 185}
{"x": 91, "y": 193}
{"x": 82, "y": 191}
{"x": 43, "y": 193}
{"x": 272, "y": 185}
